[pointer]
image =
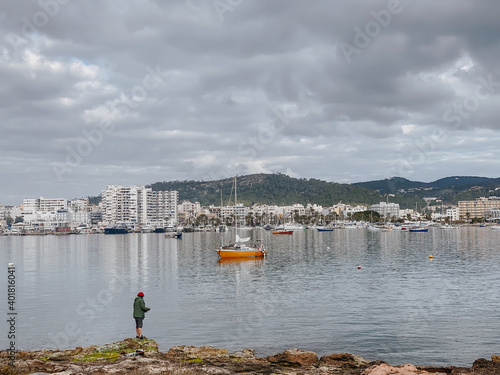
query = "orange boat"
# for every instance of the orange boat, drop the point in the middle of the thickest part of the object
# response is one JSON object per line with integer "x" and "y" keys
{"x": 238, "y": 248}
{"x": 283, "y": 232}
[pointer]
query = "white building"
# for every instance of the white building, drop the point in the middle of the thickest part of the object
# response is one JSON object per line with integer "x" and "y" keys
{"x": 386, "y": 210}
{"x": 265, "y": 211}
{"x": 403, "y": 214}
{"x": 452, "y": 214}
{"x": 189, "y": 209}
{"x": 495, "y": 214}
{"x": 349, "y": 211}
{"x": 240, "y": 213}
{"x": 14, "y": 211}
{"x": 164, "y": 205}
{"x": 121, "y": 204}
{"x": 314, "y": 208}
{"x": 138, "y": 205}
{"x": 77, "y": 205}
{"x": 30, "y": 205}
{"x": 53, "y": 204}
{"x": 38, "y": 217}
{"x": 73, "y": 218}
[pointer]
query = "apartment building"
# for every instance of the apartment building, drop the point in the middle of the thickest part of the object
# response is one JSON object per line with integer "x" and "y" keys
{"x": 452, "y": 214}
{"x": 71, "y": 217}
{"x": 138, "y": 205}
{"x": 479, "y": 208}
{"x": 78, "y": 205}
{"x": 32, "y": 205}
{"x": 386, "y": 209}
{"x": 189, "y": 209}
{"x": 163, "y": 205}
{"x": 495, "y": 214}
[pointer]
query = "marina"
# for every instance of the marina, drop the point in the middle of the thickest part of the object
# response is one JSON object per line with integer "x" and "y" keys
{"x": 375, "y": 294}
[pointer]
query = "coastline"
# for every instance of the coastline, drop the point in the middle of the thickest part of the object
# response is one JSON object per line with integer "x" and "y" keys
{"x": 133, "y": 356}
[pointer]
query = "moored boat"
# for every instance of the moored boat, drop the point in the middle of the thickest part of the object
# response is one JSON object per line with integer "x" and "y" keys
{"x": 238, "y": 248}
{"x": 324, "y": 229}
{"x": 416, "y": 229}
{"x": 177, "y": 235}
{"x": 283, "y": 231}
{"x": 447, "y": 226}
{"x": 115, "y": 229}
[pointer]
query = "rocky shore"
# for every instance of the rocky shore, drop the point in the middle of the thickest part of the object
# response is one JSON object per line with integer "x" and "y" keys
{"x": 134, "y": 357}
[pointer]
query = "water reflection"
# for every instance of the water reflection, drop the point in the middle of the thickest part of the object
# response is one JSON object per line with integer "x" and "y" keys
{"x": 241, "y": 261}
{"x": 308, "y": 293}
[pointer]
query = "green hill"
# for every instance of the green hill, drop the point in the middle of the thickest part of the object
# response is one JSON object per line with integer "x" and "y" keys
{"x": 449, "y": 189}
{"x": 280, "y": 189}
{"x": 391, "y": 185}
{"x": 270, "y": 189}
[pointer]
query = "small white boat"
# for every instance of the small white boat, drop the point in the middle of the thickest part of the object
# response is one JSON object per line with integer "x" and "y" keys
{"x": 170, "y": 228}
{"x": 147, "y": 229}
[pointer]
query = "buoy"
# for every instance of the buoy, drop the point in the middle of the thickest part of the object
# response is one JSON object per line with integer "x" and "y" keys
{"x": 430, "y": 257}
{"x": 359, "y": 267}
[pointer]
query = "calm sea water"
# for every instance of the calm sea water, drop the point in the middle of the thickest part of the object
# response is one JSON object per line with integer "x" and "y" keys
{"x": 400, "y": 306}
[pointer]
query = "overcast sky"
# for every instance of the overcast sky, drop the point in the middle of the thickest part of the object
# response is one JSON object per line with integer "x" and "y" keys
{"x": 133, "y": 92}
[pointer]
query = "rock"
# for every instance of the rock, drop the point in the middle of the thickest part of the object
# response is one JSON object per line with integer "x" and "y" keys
{"x": 295, "y": 357}
{"x": 495, "y": 358}
{"x": 189, "y": 352}
{"x": 344, "y": 361}
{"x": 113, "y": 359}
{"x": 245, "y": 354}
{"x": 443, "y": 370}
{"x": 484, "y": 367}
{"x": 127, "y": 346}
{"x": 385, "y": 368}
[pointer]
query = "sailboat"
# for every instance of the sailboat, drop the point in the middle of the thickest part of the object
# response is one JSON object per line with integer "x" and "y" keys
{"x": 419, "y": 228}
{"x": 238, "y": 248}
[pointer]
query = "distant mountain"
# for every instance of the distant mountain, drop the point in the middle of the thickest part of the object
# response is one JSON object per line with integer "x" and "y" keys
{"x": 281, "y": 189}
{"x": 450, "y": 189}
{"x": 270, "y": 189}
{"x": 391, "y": 185}
{"x": 464, "y": 181}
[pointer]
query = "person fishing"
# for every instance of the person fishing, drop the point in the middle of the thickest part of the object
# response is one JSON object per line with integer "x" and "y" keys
{"x": 139, "y": 313}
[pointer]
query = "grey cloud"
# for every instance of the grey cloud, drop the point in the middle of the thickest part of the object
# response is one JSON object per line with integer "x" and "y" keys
{"x": 265, "y": 88}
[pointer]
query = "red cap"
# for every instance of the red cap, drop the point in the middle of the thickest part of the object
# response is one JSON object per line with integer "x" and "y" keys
{"x": 140, "y": 294}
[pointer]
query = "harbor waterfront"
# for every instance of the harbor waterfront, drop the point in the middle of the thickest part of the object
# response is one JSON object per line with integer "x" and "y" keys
{"x": 375, "y": 294}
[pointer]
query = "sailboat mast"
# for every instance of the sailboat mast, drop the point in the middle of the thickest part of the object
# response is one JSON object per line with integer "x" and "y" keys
{"x": 235, "y": 204}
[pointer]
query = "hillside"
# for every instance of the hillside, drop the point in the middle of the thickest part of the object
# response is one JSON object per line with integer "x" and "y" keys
{"x": 270, "y": 189}
{"x": 281, "y": 189}
{"x": 450, "y": 189}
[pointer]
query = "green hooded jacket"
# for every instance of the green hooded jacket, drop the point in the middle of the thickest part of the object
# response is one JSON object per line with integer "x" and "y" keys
{"x": 139, "y": 307}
